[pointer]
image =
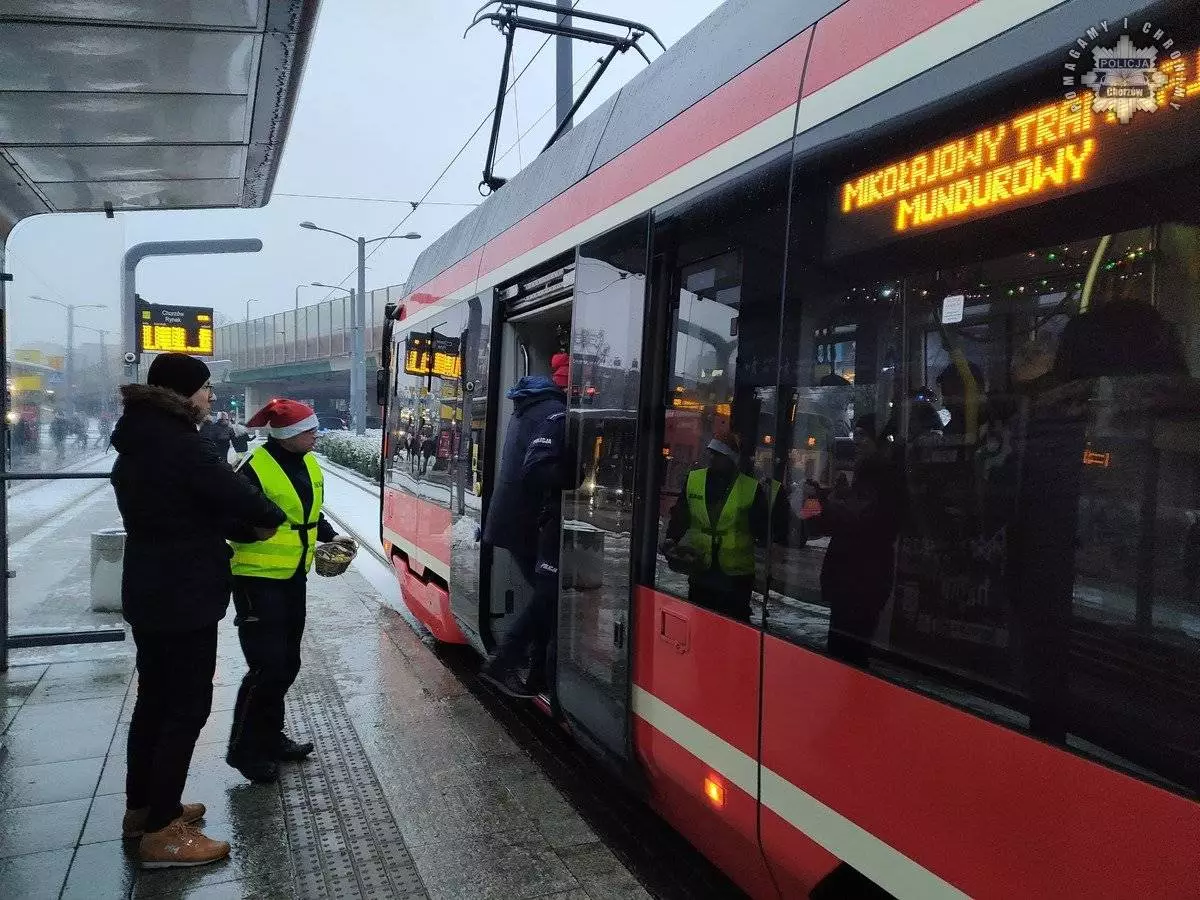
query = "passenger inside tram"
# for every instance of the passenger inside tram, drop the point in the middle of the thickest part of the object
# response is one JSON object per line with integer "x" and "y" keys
{"x": 715, "y": 524}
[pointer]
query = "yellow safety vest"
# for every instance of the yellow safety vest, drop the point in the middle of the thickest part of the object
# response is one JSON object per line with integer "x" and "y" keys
{"x": 280, "y": 556}
{"x": 730, "y": 541}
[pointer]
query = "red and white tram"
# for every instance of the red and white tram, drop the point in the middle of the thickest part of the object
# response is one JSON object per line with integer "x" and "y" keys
{"x": 803, "y": 214}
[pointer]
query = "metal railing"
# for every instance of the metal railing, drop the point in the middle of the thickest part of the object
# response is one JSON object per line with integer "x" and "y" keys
{"x": 319, "y": 331}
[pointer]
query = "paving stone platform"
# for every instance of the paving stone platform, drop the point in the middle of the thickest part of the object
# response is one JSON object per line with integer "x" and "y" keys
{"x": 414, "y": 791}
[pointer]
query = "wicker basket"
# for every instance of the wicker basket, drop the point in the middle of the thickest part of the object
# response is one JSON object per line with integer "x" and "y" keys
{"x": 334, "y": 558}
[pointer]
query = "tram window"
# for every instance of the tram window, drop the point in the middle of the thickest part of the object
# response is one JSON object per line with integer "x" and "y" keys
{"x": 426, "y": 415}
{"x": 724, "y": 266}
{"x": 1037, "y": 481}
{"x": 403, "y": 452}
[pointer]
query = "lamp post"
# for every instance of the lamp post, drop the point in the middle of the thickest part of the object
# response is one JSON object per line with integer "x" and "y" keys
{"x": 69, "y": 362}
{"x": 248, "y": 302}
{"x": 358, "y": 364}
{"x": 104, "y": 370}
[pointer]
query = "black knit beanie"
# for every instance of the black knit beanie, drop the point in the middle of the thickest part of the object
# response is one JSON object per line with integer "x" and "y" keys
{"x": 178, "y": 372}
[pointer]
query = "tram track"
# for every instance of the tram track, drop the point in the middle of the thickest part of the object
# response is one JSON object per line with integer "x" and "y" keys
{"x": 665, "y": 863}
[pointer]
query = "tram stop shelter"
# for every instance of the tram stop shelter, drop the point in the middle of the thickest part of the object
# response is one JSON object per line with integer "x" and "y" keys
{"x": 136, "y": 105}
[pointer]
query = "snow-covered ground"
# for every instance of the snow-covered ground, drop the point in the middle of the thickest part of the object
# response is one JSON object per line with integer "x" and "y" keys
{"x": 353, "y": 503}
{"x": 32, "y": 503}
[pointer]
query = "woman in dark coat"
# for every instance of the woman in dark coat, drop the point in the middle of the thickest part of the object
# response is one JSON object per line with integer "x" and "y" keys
{"x": 863, "y": 521}
{"x": 177, "y": 498}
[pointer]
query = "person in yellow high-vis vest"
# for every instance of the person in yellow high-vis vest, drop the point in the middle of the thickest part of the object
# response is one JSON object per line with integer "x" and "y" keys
{"x": 713, "y": 527}
{"x": 270, "y": 578}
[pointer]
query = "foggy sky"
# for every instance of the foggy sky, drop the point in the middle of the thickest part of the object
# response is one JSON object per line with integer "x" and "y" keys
{"x": 391, "y": 91}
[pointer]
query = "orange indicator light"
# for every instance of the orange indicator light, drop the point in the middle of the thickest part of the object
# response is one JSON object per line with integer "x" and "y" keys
{"x": 714, "y": 791}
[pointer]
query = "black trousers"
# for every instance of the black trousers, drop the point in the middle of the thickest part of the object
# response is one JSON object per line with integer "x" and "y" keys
{"x": 174, "y": 698}
{"x": 270, "y": 621}
{"x": 533, "y": 634}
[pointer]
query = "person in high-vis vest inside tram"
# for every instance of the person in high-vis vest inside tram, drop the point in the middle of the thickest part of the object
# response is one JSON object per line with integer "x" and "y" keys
{"x": 269, "y": 594}
{"x": 719, "y": 517}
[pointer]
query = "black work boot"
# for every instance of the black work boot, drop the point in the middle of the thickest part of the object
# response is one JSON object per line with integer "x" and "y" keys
{"x": 291, "y": 751}
{"x": 508, "y": 682}
{"x": 260, "y": 771}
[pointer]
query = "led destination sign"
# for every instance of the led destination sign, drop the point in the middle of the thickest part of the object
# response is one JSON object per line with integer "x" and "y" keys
{"x": 1054, "y": 149}
{"x": 432, "y": 354}
{"x": 175, "y": 329}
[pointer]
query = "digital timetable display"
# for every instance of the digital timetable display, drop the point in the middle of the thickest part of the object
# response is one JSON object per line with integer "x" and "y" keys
{"x": 175, "y": 329}
{"x": 432, "y": 354}
{"x": 1055, "y": 149}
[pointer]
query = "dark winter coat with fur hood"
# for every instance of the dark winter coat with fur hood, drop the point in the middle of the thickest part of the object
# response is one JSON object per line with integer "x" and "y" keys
{"x": 176, "y": 497}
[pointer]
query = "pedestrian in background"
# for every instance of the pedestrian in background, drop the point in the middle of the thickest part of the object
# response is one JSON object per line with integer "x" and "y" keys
{"x": 176, "y": 498}
{"x": 218, "y": 432}
{"x": 60, "y": 428}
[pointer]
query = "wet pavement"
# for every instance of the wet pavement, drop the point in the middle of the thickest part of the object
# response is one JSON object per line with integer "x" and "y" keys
{"x": 415, "y": 789}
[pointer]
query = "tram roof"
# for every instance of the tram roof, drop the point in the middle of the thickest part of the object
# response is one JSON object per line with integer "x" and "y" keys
{"x": 146, "y": 104}
{"x": 735, "y": 36}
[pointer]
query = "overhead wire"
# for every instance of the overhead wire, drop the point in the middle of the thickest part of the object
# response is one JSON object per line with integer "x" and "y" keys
{"x": 372, "y": 199}
{"x": 453, "y": 159}
{"x": 517, "y": 126}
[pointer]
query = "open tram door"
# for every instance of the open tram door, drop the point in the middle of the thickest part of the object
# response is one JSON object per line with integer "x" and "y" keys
{"x": 532, "y": 324}
{"x": 599, "y": 297}
{"x": 599, "y": 514}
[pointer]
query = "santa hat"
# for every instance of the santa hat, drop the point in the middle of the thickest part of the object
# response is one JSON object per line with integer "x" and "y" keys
{"x": 560, "y": 369}
{"x": 285, "y": 419}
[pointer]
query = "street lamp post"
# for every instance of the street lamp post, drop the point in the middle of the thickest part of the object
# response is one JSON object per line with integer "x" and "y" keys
{"x": 358, "y": 369}
{"x": 104, "y": 369}
{"x": 69, "y": 362}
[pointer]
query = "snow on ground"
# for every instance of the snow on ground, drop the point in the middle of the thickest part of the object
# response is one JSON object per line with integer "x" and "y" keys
{"x": 354, "y": 502}
{"x": 29, "y": 508}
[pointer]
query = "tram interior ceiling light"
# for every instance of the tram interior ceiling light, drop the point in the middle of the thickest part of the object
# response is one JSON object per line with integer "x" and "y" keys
{"x": 508, "y": 19}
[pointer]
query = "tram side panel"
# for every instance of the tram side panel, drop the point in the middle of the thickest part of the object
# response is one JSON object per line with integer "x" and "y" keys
{"x": 695, "y": 708}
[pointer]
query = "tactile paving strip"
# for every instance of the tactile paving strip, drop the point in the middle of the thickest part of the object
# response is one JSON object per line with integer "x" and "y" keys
{"x": 344, "y": 840}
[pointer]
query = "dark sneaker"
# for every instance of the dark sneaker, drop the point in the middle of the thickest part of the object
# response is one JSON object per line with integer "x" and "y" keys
{"x": 509, "y": 683}
{"x": 291, "y": 751}
{"x": 260, "y": 771}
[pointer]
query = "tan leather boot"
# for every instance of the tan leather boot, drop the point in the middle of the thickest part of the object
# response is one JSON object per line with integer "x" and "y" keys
{"x": 180, "y": 844}
{"x": 134, "y": 823}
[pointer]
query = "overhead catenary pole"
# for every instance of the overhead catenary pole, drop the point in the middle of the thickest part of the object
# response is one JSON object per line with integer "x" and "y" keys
{"x": 69, "y": 363}
{"x": 68, "y": 397}
{"x": 358, "y": 354}
{"x": 358, "y": 375}
{"x": 565, "y": 74}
